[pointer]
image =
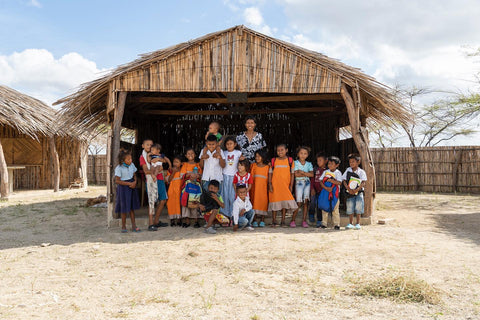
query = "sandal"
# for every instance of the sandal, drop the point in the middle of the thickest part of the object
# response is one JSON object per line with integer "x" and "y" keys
{"x": 124, "y": 231}
{"x": 274, "y": 225}
{"x": 136, "y": 229}
{"x": 283, "y": 225}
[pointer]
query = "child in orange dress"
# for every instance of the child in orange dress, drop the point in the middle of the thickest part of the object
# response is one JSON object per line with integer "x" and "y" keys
{"x": 175, "y": 181}
{"x": 187, "y": 167}
{"x": 280, "y": 185}
{"x": 259, "y": 191}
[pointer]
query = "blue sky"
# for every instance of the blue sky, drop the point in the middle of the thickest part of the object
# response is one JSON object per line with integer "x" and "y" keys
{"x": 48, "y": 48}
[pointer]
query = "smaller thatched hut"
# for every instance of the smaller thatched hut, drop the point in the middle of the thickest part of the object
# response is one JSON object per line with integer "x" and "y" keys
{"x": 35, "y": 152}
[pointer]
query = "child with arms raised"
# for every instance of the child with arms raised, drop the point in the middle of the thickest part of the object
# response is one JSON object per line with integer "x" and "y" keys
{"x": 354, "y": 180}
{"x": 280, "y": 184}
{"x": 126, "y": 197}
{"x": 259, "y": 190}
{"x": 303, "y": 173}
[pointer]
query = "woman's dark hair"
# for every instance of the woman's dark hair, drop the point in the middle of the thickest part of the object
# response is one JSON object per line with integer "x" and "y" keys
{"x": 250, "y": 118}
{"x": 263, "y": 154}
{"x": 245, "y": 163}
{"x": 122, "y": 154}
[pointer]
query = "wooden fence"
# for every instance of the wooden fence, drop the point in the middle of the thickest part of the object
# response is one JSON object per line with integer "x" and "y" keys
{"x": 429, "y": 169}
{"x": 432, "y": 169}
{"x": 97, "y": 169}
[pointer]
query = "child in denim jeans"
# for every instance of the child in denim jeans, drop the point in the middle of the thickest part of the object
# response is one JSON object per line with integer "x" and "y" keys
{"x": 354, "y": 179}
{"x": 303, "y": 173}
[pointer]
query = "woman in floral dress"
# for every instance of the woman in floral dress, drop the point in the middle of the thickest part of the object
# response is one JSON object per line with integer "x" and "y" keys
{"x": 250, "y": 140}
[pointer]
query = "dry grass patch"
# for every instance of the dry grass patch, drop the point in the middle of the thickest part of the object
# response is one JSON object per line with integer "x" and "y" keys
{"x": 399, "y": 287}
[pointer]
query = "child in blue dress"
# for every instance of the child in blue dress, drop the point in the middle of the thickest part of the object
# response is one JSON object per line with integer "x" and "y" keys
{"x": 127, "y": 197}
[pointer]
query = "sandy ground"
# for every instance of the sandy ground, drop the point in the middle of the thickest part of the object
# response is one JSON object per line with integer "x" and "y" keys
{"x": 89, "y": 272}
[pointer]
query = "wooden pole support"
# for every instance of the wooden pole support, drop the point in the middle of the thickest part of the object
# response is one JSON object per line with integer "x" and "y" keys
{"x": 56, "y": 164}
{"x": 84, "y": 163}
{"x": 4, "y": 192}
{"x": 361, "y": 141}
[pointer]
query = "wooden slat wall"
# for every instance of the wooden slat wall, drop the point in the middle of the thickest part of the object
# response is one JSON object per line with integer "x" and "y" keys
{"x": 38, "y": 171}
{"x": 439, "y": 169}
{"x": 97, "y": 174}
{"x": 233, "y": 63}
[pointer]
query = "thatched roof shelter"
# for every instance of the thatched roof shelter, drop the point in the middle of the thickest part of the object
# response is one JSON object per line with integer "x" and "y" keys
{"x": 298, "y": 96}
{"x": 35, "y": 148}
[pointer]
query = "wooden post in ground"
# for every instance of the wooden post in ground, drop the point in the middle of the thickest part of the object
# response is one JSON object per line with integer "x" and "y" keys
{"x": 4, "y": 192}
{"x": 84, "y": 162}
{"x": 361, "y": 141}
{"x": 113, "y": 147}
{"x": 56, "y": 164}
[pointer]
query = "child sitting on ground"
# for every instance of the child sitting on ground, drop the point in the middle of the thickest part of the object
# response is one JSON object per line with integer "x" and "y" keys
{"x": 303, "y": 173}
{"x": 354, "y": 180}
{"x": 212, "y": 162}
{"x": 210, "y": 203}
{"x": 127, "y": 197}
{"x": 330, "y": 180}
{"x": 316, "y": 188}
{"x": 242, "y": 213}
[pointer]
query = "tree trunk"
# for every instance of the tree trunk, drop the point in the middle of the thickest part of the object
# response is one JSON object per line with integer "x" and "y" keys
{"x": 4, "y": 192}
{"x": 56, "y": 164}
{"x": 361, "y": 141}
{"x": 84, "y": 162}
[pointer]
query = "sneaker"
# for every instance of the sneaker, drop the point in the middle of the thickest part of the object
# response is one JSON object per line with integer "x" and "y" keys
{"x": 292, "y": 224}
{"x": 255, "y": 224}
{"x": 152, "y": 228}
{"x": 349, "y": 226}
{"x": 311, "y": 217}
{"x": 305, "y": 224}
{"x": 319, "y": 224}
{"x": 336, "y": 227}
{"x": 210, "y": 230}
{"x": 261, "y": 224}
{"x": 358, "y": 227}
{"x": 196, "y": 225}
{"x": 161, "y": 224}
{"x": 249, "y": 228}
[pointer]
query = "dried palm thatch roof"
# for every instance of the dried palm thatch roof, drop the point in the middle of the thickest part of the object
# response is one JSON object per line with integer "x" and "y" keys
{"x": 25, "y": 114}
{"x": 86, "y": 107}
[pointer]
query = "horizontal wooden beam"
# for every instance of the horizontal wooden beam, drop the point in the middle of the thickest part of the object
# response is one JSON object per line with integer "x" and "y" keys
{"x": 283, "y": 98}
{"x": 227, "y": 112}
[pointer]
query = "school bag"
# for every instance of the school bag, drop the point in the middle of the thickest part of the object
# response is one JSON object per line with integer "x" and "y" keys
{"x": 190, "y": 195}
{"x": 353, "y": 180}
{"x": 328, "y": 200}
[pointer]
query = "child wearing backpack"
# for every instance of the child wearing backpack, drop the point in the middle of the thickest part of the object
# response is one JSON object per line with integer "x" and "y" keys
{"x": 175, "y": 181}
{"x": 280, "y": 184}
{"x": 354, "y": 180}
{"x": 330, "y": 180}
{"x": 190, "y": 199}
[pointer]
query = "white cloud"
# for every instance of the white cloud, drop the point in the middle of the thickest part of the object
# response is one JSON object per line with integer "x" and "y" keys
{"x": 253, "y": 18}
{"x": 36, "y": 72}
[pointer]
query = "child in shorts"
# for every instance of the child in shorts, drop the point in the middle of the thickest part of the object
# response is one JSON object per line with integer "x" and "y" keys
{"x": 354, "y": 179}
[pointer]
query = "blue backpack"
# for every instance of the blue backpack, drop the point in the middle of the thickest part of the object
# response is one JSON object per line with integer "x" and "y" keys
{"x": 328, "y": 200}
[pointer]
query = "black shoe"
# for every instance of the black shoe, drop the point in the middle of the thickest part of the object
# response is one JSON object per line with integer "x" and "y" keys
{"x": 323, "y": 226}
{"x": 152, "y": 228}
{"x": 196, "y": 225}
{"x": 161, "y": 224}
{"x": 337, "y": 227}
{"x": 179, "y": 224}
{"x": 172, "y": 223}
{"x": 186, "y": 225}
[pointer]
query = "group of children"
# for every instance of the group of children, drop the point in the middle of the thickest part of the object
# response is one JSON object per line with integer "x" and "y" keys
{"x": 226, "y": 189}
